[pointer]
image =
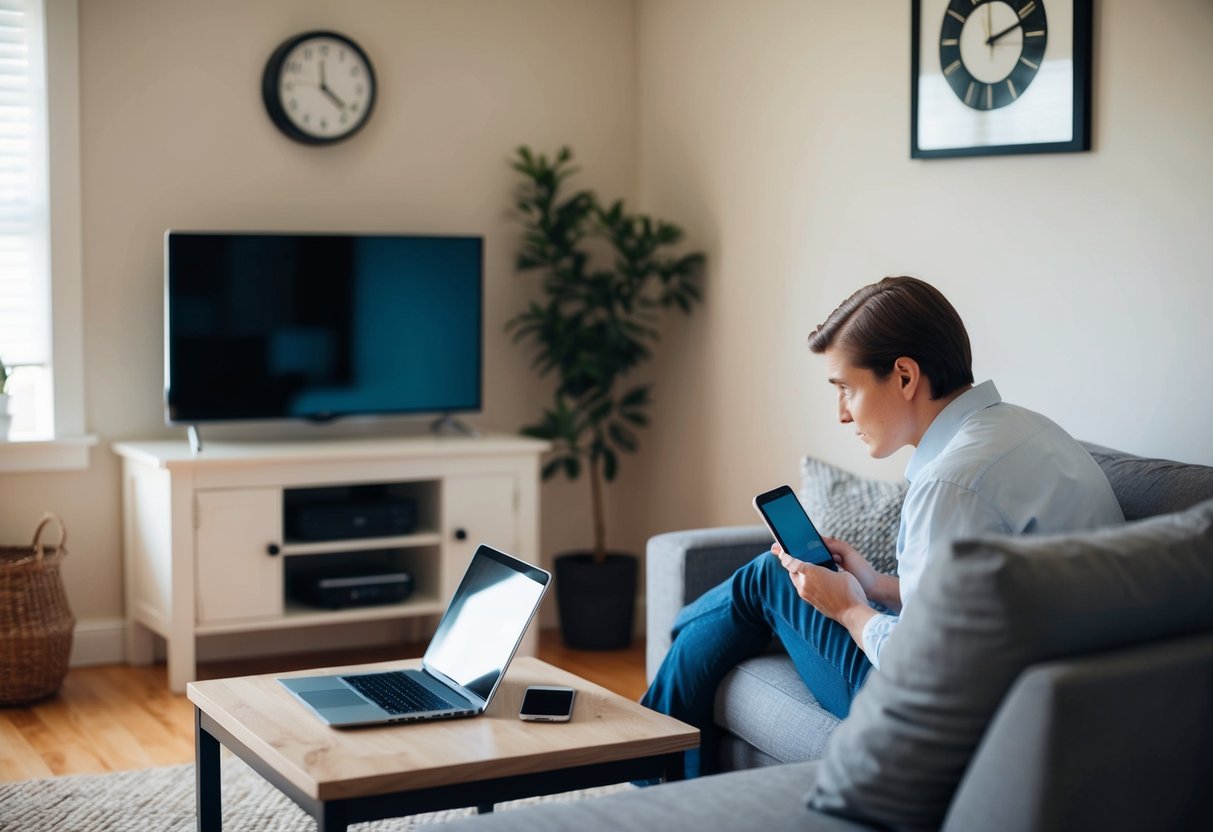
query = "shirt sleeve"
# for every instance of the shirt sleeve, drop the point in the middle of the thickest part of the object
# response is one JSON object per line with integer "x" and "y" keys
{"x": 875, "y": 633}
{"x": 933, "y": 516}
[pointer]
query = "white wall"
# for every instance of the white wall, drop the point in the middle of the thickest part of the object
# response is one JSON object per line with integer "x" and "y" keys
{"x": 777, "y": 131}
{"x": 174, "y": 135}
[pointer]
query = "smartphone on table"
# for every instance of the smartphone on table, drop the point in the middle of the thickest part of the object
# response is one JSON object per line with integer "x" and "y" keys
{"x": 789, "y": 524}
{"x": 547, "y": 703}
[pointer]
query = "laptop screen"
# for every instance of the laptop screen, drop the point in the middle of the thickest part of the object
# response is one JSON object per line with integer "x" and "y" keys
{"x": 485, "y": 620}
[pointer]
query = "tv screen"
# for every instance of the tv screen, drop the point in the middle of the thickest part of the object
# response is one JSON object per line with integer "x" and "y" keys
{"x": 316, "y": 326}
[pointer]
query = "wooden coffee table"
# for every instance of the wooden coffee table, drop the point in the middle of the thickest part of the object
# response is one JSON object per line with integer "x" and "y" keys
{"x": 344, "y": 776}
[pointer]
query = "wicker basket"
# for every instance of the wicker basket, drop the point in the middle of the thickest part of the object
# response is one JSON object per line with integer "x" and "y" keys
{"x": 36, "y": 624}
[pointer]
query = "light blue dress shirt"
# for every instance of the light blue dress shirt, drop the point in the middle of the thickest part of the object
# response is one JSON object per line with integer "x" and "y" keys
{"x": 987, "y": 467}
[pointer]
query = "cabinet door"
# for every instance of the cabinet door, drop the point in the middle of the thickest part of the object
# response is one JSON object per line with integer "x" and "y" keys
{"x": 477, "y": 509}
{"x": 237, "y": 577}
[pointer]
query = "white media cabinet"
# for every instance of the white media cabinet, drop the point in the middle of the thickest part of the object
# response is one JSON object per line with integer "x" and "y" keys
{"x": 207, "y": 552}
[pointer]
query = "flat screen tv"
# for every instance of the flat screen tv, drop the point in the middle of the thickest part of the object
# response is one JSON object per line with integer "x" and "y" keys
{"x": 318, "y": 326}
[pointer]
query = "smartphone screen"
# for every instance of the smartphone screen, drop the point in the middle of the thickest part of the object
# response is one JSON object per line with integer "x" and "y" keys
{"x": 789, "y": 524}
{"x": 547, "y": 702}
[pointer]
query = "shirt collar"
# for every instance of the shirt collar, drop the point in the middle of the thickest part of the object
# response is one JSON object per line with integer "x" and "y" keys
{"x": 949, "y": 422}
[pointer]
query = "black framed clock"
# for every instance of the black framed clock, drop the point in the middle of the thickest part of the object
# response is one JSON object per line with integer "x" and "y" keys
{"x": 993, "y": 77}
{"x": 319, "y": 87}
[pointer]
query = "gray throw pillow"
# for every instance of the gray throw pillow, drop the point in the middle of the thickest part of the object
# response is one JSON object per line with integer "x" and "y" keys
{"x": 864, "y": 512}
{"x": 985, "y": 611}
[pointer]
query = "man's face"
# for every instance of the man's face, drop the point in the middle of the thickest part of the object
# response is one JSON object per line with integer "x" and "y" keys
{"x": 882, "y": 416}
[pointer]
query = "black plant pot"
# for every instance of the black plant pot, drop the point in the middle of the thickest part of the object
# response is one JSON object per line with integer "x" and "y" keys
{"x": 596, "y": 603}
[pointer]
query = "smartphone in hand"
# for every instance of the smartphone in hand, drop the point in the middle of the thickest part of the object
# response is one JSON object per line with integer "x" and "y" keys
{"x": 788, "y": 523}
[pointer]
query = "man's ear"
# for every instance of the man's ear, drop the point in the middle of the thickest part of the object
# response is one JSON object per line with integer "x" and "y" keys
{"x": 908, "y": 375}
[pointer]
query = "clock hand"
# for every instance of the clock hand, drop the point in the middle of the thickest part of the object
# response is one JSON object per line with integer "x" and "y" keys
{"x": 332, "y": 96}
{"x": 995, "y": 38}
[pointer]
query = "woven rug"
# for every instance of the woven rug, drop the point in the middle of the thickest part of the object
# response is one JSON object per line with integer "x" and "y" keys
{"x": 163, "y": 800}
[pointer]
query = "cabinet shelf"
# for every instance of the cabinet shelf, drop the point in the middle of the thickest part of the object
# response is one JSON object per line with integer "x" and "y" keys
{"x": 365, "y": 544}
{"x": 296, "y": 614}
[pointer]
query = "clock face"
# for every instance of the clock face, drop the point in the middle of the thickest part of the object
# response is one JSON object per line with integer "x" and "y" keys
{"x": 991, "y": 50}
{"x": 319, "y": 87}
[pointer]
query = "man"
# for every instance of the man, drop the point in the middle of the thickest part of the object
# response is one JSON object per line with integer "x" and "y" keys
{"x": 898, "y": 355}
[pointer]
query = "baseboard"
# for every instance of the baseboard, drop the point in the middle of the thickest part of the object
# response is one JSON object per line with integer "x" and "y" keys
{"x": 103, "y": 640}
{"x": 98, "y": 641}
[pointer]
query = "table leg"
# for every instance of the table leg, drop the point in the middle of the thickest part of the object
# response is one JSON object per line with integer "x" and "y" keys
{"x": 206, "y": 773}
{"x": 332, "y": 818}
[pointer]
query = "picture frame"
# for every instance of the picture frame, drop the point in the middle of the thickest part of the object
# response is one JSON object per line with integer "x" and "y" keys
{"x": 1000, "y": 77}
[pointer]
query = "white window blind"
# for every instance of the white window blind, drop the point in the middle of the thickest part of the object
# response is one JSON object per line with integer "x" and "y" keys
{"x": 24, "y": 217}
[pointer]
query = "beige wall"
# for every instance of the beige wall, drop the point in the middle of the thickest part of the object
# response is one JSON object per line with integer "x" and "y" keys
{"x": 774, "y": 131}
{"x": 778, "y": 132}
{"x": 174, "y": 135}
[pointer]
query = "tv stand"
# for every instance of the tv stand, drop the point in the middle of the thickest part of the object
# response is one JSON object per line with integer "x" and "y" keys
{"x": 448, "y": 424}
{"x": 208, "y": 550}
{"x": 195, "y": 440}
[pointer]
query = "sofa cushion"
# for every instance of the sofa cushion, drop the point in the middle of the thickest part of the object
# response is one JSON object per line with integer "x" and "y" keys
{"x": 766, "y": 799}
{"x": 1145, "y": 487}
{"x": 764, "y": 702}
{"x": 864, "y": 512}
{"x": 984, "y": 611}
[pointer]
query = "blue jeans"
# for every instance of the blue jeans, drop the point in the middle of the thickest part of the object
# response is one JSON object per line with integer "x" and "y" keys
{"x": 734, "y": 621}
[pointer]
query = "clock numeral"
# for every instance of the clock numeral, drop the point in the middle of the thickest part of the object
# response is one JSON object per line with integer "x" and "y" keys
{"x": 1024, "y": 60}
{"x": 341, "y": 55}
{"x": 969, "y": 93}
{"x": 307, "y": 118}
{"x": 355, "y": 71}
{"x": 358, "y": 89}
{"x": 1011, "y": 87}
{"x": 324, "y": 50}
{"x": 989, "y": 97}
{"x": 307, "y": 53}
{"x": 354, "y": 107}
{"x": 294, "y": 104}
{"x": 1036, "y": 33}
{"x": 949, "y": 42}
{"x": 324, "y": 124}
{"x": 344, "y": 118}
{"x": 952, "y": 67}
{"x": 1027, "y": 10}
{"x": 956, "y": 15}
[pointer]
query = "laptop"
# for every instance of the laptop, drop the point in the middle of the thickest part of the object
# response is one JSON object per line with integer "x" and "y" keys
{"x": 463, "y": 665}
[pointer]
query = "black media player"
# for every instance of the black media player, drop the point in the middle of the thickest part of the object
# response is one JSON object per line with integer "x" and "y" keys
{"x": 336, "y": 592}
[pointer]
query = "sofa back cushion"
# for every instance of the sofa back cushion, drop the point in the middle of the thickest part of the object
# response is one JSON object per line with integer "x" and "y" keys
{"x": 1147, "y": 487}
{"x": 984, "y": 611}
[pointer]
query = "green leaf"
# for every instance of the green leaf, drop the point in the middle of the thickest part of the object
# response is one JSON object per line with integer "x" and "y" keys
{"x": 623, "y": 437}
{"x": 572, "y": 467}
{"x": 610, "y": 464}
{"x": 550, "y": 469}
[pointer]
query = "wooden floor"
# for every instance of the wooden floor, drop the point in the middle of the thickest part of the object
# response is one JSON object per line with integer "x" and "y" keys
{"x": 118, "y": 717}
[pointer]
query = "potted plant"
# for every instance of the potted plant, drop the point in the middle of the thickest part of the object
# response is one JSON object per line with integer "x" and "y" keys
{"x": 592, "y": 327}
{"x": 5, "y": 419}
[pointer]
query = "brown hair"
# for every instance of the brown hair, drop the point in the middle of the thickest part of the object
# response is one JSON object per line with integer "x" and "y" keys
{"x": 895, "y": 317}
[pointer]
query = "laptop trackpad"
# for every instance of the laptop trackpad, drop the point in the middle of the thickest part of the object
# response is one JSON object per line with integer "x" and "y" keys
{"x": 331, "y": 698}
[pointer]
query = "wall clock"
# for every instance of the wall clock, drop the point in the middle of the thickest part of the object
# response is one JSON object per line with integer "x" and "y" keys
{"x": 319, "y": 87}
{"x": 1000, "y": 76}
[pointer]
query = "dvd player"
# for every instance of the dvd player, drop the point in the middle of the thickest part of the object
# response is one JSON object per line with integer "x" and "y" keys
{"x": 338, "y": 591}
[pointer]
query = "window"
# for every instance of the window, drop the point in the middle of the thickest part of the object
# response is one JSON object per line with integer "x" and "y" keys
{"x": 40, "y": 314}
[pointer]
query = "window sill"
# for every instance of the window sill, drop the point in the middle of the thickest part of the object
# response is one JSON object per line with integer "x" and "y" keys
{"x": 65, "y": 454}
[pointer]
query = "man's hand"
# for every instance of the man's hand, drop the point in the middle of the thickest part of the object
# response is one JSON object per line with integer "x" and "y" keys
{"x": 837, "y": 595}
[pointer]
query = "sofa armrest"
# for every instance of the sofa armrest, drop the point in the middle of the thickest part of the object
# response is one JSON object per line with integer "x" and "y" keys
{"x": 681, "y": 566}
{"x": 1114, "y": 740}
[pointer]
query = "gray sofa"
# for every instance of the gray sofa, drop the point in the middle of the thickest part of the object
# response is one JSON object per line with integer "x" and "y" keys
{"x": 1110, "y": 730}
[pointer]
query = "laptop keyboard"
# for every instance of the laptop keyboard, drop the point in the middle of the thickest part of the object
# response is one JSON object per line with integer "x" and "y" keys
{"x": 397, "y": 693}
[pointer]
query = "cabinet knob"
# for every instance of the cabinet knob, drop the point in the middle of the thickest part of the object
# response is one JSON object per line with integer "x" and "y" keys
{"x": 461, "y": 534}
{"x": 272, "y": 549}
